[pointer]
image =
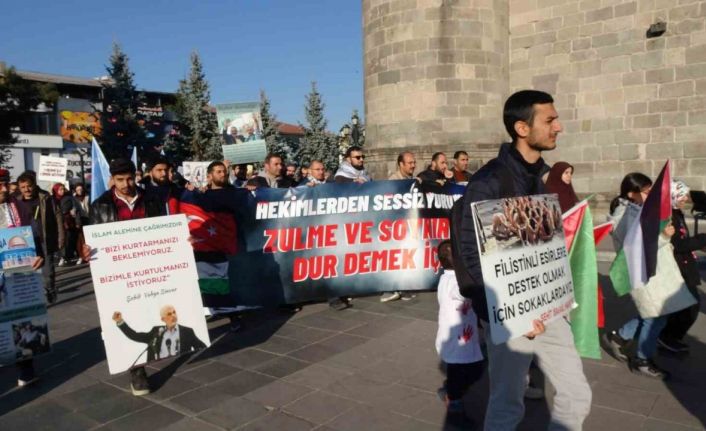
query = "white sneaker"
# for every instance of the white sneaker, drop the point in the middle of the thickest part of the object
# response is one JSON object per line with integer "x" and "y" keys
{"x": 390, "y": 296}
{"x": 22, "y": 383}
{"x": 62, "y": 262}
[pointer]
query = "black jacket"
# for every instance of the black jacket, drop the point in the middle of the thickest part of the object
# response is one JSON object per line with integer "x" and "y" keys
{"x": 430, "y": 178}
{"x": 188, "y": 340}
{"x": 103, "y": 210}
{"x": 52, "y": 222}
{"x": 261, "y": 182}
{"x": 684, "y": 248}
{"x": 524, "y": 179}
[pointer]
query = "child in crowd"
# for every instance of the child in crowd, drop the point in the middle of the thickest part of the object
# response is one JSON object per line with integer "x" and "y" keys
{"x": 634, "y": 190}
{"x": 457, "y": 337}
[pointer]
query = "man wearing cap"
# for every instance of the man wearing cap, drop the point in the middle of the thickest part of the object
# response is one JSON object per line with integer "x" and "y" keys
{"x": 10, "y": 217}
{"x": 126, "y": 201}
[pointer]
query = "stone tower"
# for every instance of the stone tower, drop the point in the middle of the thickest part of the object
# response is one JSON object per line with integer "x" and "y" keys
{"x": 438, "y": 71}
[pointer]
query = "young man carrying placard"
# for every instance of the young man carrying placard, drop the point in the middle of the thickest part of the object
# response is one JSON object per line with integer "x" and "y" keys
{"x": 532, "y": 121}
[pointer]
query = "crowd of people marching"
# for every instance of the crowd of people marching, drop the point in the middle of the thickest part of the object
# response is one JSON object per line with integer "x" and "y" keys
{"x": 518, "y": 171}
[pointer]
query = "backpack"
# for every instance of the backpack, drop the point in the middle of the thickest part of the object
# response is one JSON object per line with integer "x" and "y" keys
{"x": 507, "y": 189}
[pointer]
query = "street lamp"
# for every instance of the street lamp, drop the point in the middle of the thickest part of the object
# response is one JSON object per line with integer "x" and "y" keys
{"x": 355, "y": 132}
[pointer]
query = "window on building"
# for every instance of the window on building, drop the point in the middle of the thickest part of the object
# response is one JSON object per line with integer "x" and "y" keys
{"x": 40, "y": 123}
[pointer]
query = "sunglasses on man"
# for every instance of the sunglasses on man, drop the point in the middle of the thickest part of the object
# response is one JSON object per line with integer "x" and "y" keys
{"x": 358, "y": 157}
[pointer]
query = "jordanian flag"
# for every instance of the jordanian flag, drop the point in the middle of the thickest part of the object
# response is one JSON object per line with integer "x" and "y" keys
{"x": 636, "y": 262}
{"x": 212, "y": 217}
{"x": 579, "y": 236}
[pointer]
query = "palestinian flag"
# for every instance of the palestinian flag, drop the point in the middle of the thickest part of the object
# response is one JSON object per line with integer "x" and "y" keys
{"x": 600, "y": 232}
{"x": 579, "y": 236}
{"x": 636, "y": 262}
{"x": 213, "y": 225}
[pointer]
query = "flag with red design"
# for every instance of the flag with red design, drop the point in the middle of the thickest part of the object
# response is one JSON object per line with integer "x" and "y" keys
{"x": 212, "y": 218}
{"x": 210, "y": 231}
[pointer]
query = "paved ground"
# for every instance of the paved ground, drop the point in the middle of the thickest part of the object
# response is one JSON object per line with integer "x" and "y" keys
{"x": 372, "y": 367}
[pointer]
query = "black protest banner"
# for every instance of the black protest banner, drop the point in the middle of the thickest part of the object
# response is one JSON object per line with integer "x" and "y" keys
{"x": 313, "y": 243}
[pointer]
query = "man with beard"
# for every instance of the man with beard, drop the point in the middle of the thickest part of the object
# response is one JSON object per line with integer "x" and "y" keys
{"x": 437, "y": 174}
{"x": 125, "y": 201}
{"x": 217, "y": 179}
{"x": 532, "y": 122}
{"x": 159, "y": 184}
{"x": 10, "y": 217}
{"x": 352, "y": 169}
{"x": 270, "y": 176}
{"x": 406, "y": 163}
{"x": 291, "y": 173}
{"x": 217, "y": 176}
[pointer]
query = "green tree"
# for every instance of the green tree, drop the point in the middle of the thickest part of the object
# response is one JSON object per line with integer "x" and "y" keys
{"x": 276, "y": 144}
{"x": 198, "y": 124}
{"x": 18, "y": 97}
{"x": 177, "y": 146}
{"x": 120, "y": 128}
{"x": 318, "y": 143}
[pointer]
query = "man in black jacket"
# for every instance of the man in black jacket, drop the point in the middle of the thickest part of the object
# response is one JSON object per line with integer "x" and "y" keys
{"x": 165, "y": 340}
{"x": 532, "y": 122}
{"x": 438, "y": 173}
{"x": 125, "y": 201}
{"x": 271, "y": 175}
{"x": 158, "y": 183}
{"x": 37, "y": 209}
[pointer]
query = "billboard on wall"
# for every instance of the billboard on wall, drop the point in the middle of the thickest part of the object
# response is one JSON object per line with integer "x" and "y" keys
{"x": 78, "y": 119}
{"x": 79, "y": 127}
{"x": 239, "y": 122}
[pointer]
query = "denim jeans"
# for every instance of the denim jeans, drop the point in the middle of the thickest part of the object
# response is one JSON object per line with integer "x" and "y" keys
{"x": 646, "y": 332}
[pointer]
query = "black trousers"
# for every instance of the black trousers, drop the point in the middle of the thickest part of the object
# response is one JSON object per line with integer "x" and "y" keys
{"x": 70, "y": 246}
{"x": 679, "y": 323}
{"x": 460, "y": 377}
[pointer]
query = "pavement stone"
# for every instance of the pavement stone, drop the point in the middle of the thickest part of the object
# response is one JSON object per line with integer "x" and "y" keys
{"x": 319, "y": 407}
{"x": 278, "y": 393}
{"x": 234, "y": 412}
{"x": 371, "y": 367}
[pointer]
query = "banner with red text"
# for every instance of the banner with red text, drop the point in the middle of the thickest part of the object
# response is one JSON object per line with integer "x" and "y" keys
{"x": 313, "y": 243}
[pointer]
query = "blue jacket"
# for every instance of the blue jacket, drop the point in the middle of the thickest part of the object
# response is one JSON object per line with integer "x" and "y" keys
{"x": 508, "y": 175}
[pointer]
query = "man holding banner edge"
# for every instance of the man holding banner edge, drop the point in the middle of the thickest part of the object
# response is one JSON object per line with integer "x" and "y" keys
{"x": 125, "y": 201}
{"x": 532, "y": 122}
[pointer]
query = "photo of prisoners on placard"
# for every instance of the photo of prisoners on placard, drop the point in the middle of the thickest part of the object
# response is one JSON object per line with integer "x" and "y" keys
{"x": 517, "y": 222}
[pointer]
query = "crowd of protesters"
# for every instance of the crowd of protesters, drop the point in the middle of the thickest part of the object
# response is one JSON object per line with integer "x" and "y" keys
{"x": 518, "y": 171}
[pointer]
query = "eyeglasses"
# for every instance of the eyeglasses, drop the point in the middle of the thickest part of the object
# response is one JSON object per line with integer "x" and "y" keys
{"x": 358, "y": 157}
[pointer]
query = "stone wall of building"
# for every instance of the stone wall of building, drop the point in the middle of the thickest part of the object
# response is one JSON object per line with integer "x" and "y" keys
{"x": 436, "y": 74}
{"x": 627, "y": 102}
{"x": 438, "y": 71}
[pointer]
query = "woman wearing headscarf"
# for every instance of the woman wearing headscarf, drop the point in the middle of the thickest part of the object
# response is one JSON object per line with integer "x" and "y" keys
{"x": 559, "y": 182}
{"x": 685, "y": 245}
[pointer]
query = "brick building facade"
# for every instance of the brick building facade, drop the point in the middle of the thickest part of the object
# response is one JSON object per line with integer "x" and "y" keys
{"x": 437, "y": 73}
